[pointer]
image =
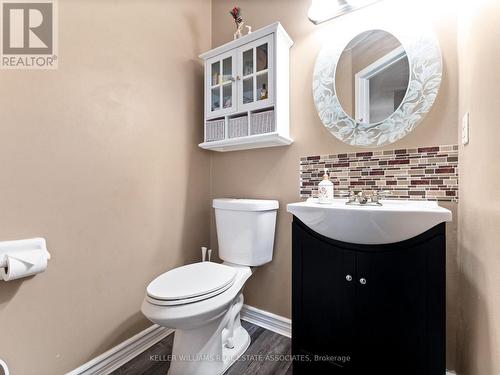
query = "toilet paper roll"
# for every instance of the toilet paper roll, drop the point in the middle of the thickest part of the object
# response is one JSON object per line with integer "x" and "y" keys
{"x": 24, "y": 263}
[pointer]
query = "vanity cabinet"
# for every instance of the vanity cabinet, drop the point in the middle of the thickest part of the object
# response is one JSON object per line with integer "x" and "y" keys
{"x": 368, "y": 309}
{"x": 247, "y": 92}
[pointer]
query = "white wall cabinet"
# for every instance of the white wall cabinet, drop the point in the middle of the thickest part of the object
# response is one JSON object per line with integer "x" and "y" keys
{"x": 247, "y": 92}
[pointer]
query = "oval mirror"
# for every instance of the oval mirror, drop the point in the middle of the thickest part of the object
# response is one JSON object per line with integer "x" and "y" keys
{"x": 373, "y": 86}
{"x": 372, "y": 76}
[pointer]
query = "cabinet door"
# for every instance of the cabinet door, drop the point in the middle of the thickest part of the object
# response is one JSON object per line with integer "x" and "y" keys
{"x": 220, "y": 85}
{"x": 255, "y": 70}
{"x": 323, "y": 301}
{"x": 400, "y": 311}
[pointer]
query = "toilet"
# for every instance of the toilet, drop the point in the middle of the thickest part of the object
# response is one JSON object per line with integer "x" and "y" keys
{"x": 202, "y": 301}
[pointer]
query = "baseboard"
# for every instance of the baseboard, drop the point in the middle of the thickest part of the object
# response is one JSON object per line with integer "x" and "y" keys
{"x": 267, "y": 320}
{"x": 124, "y": 352}
{"x": 116, "y": 357}
{"x": 131, "y": 348}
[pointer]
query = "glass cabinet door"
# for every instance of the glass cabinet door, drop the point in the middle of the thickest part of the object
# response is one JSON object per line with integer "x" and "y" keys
{"x": 256, "y": 81}
{"x": 221, "y": 85}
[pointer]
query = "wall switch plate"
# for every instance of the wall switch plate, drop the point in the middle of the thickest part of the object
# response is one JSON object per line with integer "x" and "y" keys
{"x": 465, "y": 129}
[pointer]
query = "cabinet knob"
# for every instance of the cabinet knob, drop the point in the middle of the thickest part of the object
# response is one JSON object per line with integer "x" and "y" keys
{"x": 348, "y": 277}
{"x": 362, "y": 281}
{"x": 238, "y": 78}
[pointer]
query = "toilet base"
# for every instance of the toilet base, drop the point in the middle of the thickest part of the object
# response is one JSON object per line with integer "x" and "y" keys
{"x": 241, "y": 344}
{"x": 212, "y": 348}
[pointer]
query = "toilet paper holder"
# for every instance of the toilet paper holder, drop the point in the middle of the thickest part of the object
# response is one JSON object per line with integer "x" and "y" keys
{"x": 11, "y": 248}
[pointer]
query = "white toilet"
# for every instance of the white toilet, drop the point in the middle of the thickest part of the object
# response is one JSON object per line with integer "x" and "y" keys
{"x": 202, "y": 301}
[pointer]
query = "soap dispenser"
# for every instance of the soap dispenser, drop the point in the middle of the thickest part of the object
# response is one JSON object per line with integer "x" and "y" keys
{"x": 325, "y": 189}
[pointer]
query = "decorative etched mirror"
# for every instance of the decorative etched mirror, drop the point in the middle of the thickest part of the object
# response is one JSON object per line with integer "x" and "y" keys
{"x": 373, "y": 86}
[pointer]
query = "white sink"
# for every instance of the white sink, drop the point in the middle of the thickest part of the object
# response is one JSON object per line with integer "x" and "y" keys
{"x": 394, "y": 221}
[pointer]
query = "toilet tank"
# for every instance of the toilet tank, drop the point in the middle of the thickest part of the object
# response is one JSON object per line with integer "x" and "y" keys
{"x": 245, "y": 230}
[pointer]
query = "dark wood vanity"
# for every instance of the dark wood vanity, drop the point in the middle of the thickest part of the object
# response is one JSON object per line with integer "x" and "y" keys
{"x": 368, "y": 309}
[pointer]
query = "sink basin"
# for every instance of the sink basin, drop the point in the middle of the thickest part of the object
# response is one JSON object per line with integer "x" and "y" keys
{"x": 394, "y": 221}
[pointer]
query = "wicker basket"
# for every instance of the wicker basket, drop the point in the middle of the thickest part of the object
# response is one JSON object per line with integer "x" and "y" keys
{"x": 262, "y": 122}
{"x": 214, "y": 130}
{"x": 237, "y": 127}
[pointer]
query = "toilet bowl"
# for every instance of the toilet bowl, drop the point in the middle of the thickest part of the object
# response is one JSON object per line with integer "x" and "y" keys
{"x": 202, "y": 301}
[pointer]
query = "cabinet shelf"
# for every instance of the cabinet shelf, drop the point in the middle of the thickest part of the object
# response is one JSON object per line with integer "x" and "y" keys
{"x": 248, "y": 77}
{"x": 248, "y": 142}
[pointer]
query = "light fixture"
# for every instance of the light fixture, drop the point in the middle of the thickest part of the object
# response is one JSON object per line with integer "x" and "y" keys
{"x": 324, "y": 10}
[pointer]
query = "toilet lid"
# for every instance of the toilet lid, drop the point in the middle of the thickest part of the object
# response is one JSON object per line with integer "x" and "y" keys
{"x": 190, "y": 281}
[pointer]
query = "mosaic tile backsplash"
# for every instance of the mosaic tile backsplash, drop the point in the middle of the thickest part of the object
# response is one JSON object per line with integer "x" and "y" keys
{"x": 429, "y": 173}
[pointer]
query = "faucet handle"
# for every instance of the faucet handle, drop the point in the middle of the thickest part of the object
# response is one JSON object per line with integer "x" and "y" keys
{"x": 383, "y": 194}
{"x": 352, "y": 196}
{"x": 349, "y": 194}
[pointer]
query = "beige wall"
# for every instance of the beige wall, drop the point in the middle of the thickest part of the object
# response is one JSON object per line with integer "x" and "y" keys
{"x": 274, "y": 173}
{"x": 100, "y": 158}
{"x": 479, "y": 228}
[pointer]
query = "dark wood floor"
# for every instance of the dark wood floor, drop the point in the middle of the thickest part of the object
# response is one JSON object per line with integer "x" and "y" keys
{"x": 268, "y": 354}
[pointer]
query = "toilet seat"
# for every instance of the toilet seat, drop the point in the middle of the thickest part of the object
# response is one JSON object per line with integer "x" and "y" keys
{"x": 191, "y": 283}
{"x": 174, "y": 302}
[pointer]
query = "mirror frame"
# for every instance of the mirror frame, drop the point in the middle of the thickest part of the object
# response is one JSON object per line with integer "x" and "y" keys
{"x": 424, "y": 58}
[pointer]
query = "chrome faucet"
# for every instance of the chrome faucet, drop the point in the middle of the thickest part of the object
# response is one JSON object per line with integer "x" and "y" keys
{"x": 370, "y": 199}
